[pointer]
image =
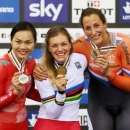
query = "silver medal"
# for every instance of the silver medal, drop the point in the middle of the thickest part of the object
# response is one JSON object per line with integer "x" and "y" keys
{"x": 23, "y": 79}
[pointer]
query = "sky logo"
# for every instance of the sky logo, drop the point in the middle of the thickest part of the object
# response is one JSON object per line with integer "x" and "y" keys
{"x": 124, "y": 11}
{"x": 9, "y": 11}
{"x": 46, "y": 11}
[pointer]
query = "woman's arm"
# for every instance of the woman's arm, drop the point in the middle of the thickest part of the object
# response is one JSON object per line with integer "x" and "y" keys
{"x": 5, "y": 98}
{"x": 53, "y": 102}
{"x": 39, "y": 72}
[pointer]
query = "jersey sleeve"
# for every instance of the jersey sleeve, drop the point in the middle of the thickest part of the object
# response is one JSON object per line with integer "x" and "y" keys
{"x": 76, "y": 46}
{"x": 33, "y": 93}
{"x": 79, "y": 45}
{"x": 50, "y": 99}
{"x": 123, "y": 81}
{"x": 5, "y": 98}
{"x": 84, "y": 60}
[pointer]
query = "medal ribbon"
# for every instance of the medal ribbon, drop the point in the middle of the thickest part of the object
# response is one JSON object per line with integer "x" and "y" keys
{"x": 65, "y": 64}
{"x": 18, "y": 64}
{"x": 107, "y": 48}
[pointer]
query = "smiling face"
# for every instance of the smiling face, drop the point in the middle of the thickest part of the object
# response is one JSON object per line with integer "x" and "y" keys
{"x": 95, "y": 29}
{"x": 59, "y": 47}
{"x": 23, "y": 44}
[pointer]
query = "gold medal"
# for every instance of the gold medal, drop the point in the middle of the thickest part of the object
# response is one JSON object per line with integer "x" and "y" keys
{"x": 95, "y": 52}
{"x": 61, "y": 70}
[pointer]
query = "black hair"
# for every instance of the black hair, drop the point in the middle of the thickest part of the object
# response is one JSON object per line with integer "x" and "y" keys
{"x": 89, "y": 11}
{"x": 23, "y": 25}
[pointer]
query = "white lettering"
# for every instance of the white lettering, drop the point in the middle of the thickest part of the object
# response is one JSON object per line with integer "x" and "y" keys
{"x": 126, "y": 17}
{"x": 3, "y": 98}
{"x": 85, "y": 91}
{"x": 35, "y": 11}
{"x": 7, "y": 9}
{"x": 107, "y": 11}
{"x": 10, "y": 93}
{"x": 40, "y": 10}
{"x": 83, "y": 120}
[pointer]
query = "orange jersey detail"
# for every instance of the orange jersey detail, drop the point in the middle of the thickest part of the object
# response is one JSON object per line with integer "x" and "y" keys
{"x": 119, "y": 60}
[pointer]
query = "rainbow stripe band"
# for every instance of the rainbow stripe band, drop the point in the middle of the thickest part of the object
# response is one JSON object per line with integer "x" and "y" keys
{"x": 59, "y": 103}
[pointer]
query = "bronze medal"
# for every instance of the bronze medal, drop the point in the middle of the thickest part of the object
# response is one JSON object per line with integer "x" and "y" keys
{"x": 61, "y": 70}
{"x": 95, "y": 52}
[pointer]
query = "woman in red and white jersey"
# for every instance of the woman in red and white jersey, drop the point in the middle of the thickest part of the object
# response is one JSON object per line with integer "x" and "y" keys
{"x": 16, "y": 81}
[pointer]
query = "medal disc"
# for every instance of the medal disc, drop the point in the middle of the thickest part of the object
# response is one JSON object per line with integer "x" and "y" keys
{"x": 95, "y": 52}
{"x": 23, "y": 79}
{"x": 61, "y": 70}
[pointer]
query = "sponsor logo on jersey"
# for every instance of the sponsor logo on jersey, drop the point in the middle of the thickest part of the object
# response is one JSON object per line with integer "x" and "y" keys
{"x": 4, "y": 62}
{"x": 124, "y": 11}
{"x": 46, "y": 11}
{"x": 9, "y": 11}
{"x": 111, "y": 58}
{"x": 127, "y": 55}
{"x": 78, "y": 65}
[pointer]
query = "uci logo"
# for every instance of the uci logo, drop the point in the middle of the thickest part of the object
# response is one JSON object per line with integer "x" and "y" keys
{"x": 39, "y": 9}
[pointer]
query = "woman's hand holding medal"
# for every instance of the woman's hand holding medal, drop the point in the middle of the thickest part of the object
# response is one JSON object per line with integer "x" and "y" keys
{"x": 18, "y": 87}
{"x": 20, "y": 66}
{"x": 61, "y": 80}
{"x": 94, "y": 53}
{"x": 102, "y": 61}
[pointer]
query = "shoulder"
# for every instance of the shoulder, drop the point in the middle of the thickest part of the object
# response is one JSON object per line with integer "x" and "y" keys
{"x": 31, "y": 60}
{"x": 30, "y": 63}
{"x": 80, "y": 40}
{"x": 4, "y": 66}
{"x": 4, "y": 60}
{"x": 80, "y": 44}
{"x": 76, "y": 57}
{"x": 123, "y": 41}
{"x": 122, "y": 37}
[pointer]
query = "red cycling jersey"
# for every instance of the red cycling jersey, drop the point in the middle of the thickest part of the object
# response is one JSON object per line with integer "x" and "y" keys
{"x": 12, "y": 107}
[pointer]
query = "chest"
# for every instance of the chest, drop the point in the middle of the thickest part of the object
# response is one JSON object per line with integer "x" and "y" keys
{"x": 8, "y": 83}
{"x": 114, "y": 59}
{"x": 75, "y": 74}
